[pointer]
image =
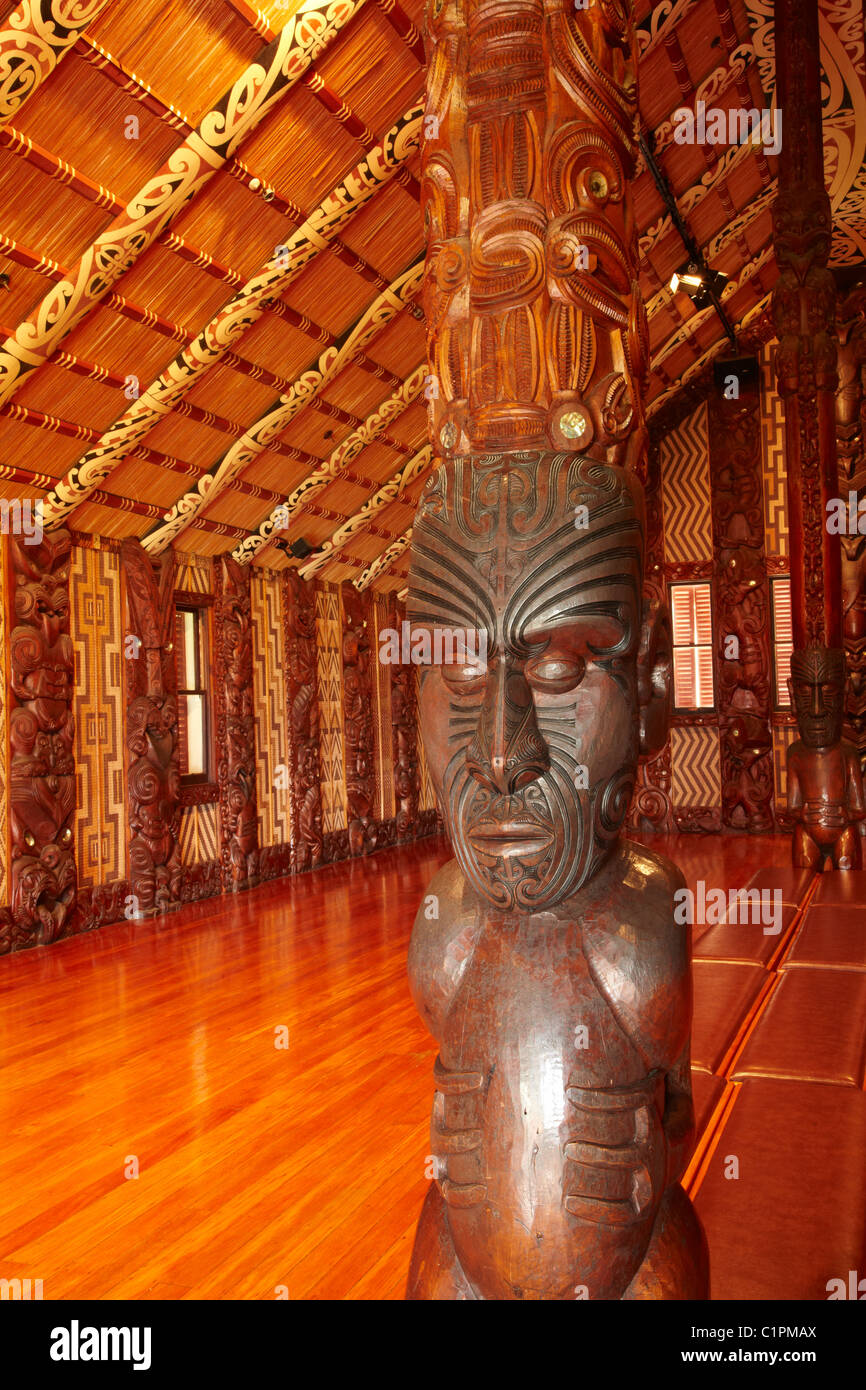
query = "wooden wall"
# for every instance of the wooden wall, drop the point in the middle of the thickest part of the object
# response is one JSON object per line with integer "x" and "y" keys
{"x": 716, "y": 491}
{"x": 385, "y": 750}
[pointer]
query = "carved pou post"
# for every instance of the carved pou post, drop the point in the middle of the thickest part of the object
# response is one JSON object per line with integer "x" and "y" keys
{"x": 825, "y": 787}
{"x": 239, "y": 831}
{"x": 851, "y": 456}
{"x": 545, "y": 959}
{"x": 152, "y": 767}
{"x": 41, "y": 743}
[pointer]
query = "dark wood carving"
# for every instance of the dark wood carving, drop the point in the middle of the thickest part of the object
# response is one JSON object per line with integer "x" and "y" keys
{"x": 651, "y": 808}
{"x": 41, "y": 743}
{"x": 302, "y": 698}
{"x": 825, "y": 786}
{"x": 152, "y": 768}
{"x": 557, "y": 990}
{"x": 236, "y": 753}
{"x": 851, "y": 455}
{"x": 358, "y": 722}
{"x": 404, "y": 716}
{"x": 742, "y": 607}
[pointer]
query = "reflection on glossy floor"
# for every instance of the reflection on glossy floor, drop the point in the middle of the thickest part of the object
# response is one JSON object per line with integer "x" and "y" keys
{"x": 158, "y": 1048}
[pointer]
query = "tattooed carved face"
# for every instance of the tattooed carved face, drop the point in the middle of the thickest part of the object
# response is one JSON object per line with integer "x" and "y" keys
{"x": 532, "y": 730}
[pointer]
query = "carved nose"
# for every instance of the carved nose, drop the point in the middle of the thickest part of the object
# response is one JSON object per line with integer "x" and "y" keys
{"x": 507, "y": 752}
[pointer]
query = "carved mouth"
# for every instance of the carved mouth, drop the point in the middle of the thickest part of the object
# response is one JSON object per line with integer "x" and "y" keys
{"x": 498, "y": 838}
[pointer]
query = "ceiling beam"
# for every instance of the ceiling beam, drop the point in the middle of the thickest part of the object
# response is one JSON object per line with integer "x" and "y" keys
{"x": 383, "y": 497}
{"x": 263, "y": 83}
{"x": 35, "y": 37}
{"x": 382, "y": 562}
{"x": 272, "y": 422}
{"x": 331, "y": 468}
{"x": 235, "y": 318}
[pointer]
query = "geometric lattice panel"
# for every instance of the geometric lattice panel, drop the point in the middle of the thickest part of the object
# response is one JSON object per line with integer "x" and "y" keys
{"x": 198, "y": 834}
{"x": 382, "y": 730}
{"x": 269, "y": 708}
{"x": 97, "y": 640}
{"x": 783, "y": 737}
{"x": 329, "y": 644}
{"x": 695, "y": 774}
{"x": 194, "y": 574}
{"x": 685, "y": 467}
{"x": 773, "y": 462}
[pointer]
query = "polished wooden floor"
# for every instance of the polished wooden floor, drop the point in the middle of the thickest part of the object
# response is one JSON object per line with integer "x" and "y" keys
{"x": 260, "y": 1167}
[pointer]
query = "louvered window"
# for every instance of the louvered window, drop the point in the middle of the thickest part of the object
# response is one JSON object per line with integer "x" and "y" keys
{"x": 783, "y": 640}
{"x": 692, "y": 614}
{"x": 191, "y": 655}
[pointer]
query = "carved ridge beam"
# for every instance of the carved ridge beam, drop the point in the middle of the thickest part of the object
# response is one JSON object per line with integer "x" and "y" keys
{"x": 214, "y": 341}
{"x": 262, "y": 84}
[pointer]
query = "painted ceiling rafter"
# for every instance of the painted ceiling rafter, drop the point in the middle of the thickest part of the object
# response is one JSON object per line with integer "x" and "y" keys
{"x": 277, "y": 418}
{"x": 212, "y": 343}
{"x": 35, "y": 37}
{"x": 382, "y": 562}
{"x": 335, "y": 466}
{"x": 262, "y": 84}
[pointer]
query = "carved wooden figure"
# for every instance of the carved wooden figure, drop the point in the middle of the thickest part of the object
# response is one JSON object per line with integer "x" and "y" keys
{"x": 302, "y": 697}
{"x": 41, "y": 734}
{"x": 825, "y": 787}
{"x": 358, "y": 724}
{"x": 851, "y": 455}
{"x": 152, "y": 771}
{"x": 236, "y": 729}
{"x": 545, "y": 959}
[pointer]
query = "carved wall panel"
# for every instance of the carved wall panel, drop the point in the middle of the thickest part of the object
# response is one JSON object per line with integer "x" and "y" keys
{"x": 329, "y": 657}
{"x": 302, "y": 700}
{"x": 384, "y": 617}
{"x": 404, "y": 710}
{"x": 742, "y": 609}
{"x": 851, "y": 456}
{"x": 358, "y": 721}
{"x": 236, "y": 753}
{"x": 41, "y": 743}
{"x": 152, "y": 768}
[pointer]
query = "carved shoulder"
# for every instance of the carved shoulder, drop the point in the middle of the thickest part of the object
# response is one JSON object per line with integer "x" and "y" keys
{"x": 443, "y": 939}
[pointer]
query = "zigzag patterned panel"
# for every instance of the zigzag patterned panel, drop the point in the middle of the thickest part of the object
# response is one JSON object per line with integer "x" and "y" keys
{"x": 382, "y": 735}
{"x": 97, "y": 639}
{"x": 4, "y": 807}
{"x": 329, "y": 641}
{"x": 783, "y": 737}
{"x": 269, "y": 707}
{"x": 695, "y": 770}
{"x": 198, "y": 834}
{"x": 773, "y": 461}
{"x": 194, "y": 574}
{"x": 685, "y": 466}
{"x": 427, "y": 795}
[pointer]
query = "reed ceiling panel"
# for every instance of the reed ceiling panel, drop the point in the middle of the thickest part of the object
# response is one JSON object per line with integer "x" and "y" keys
{"x": 301, "y": 149}
{"x": 388, "y": 81}
{"x": 233, "y": 223}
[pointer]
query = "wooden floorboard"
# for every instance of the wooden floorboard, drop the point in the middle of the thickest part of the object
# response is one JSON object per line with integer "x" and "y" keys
{"x": 260, "y": 1168}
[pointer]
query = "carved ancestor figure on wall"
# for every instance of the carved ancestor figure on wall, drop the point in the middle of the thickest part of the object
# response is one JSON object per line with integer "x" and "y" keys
{"x": 41, "y": 734}
{"x": 825, "y": 786}
{"x": 851, "y": 456}
{"x": 358, "y": 725}
{"x": 305, "y": 778}
{"x": 236, "y": 730}
{"x": 153, "y": 773}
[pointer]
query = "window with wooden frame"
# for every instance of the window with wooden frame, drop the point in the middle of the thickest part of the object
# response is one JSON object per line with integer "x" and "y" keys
{"x": 692, "y": 621}
{"x": 783, "y": 639}
{"x": 192, "y": 656}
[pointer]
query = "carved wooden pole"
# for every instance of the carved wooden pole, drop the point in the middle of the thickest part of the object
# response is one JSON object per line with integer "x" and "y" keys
{"x": 404, "y": 714}
{"x": 236, "y": 751}
{"x": 302, "y": 699}
{"x": 556, "y": 988}
{"x": 152, "y": 765}
{"x": 41, "y": 741}
{"x": 851, "y": 453}
{"x": 358, "y": 721}
{"x": 825, "y": 792}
